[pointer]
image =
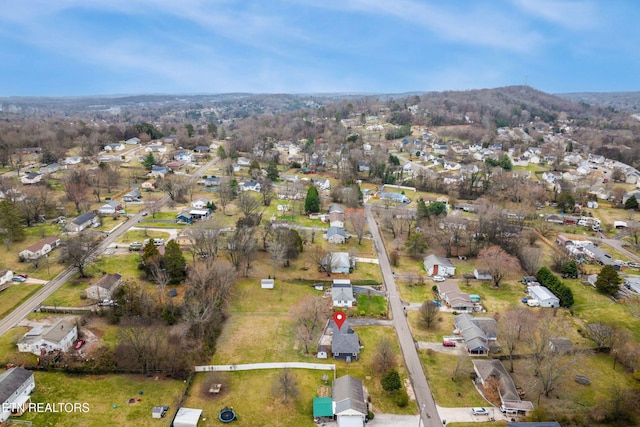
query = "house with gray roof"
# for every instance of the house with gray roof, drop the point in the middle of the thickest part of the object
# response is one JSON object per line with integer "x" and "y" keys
{"x": 349, "y": 402}
{"x": 342, "y": 293}
{"x": 105, "y": 287}
{"x": 345, "y": 343}
{"x": 16, "y": 385}
{"x": 336, "y": 235}
{"x": 478, "y": 333}
{"x": 438, "y": 266}
{"x": 44, "y": 339}
{"x": 82, "y": 221}
{"x": 337, "y": 262}
{"x": 509, "y": 396}
{"x": 450, "y": 293}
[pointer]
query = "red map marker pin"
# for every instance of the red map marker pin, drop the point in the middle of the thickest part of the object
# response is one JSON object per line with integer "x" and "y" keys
{"x": 339, "y": 317}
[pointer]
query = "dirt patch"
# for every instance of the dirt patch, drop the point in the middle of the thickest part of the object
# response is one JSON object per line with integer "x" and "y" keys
{"x": 410, "y": 393}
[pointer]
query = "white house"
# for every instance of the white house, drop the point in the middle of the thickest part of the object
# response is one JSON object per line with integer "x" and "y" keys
{"x": 349, "y": 403}
{"x": 30, "y": 178}
{"x": 43, "y": 339}
{"x": 184, "y": 156}
{"x": 342, "y": 293}
{"x": 5, "y": 277}
{"x": 156, "y": 149}
{"x": 543, "y": 296}
{"x": 243, "y": 161}
{"x": 73, "y": 160}
{"x": 16, "y": 385}
{"x": 338, "y": 262}
{"x": 250, "y": 186}
{"x": 336, "y": 235}
{"x": 482, "y": 274}
{"x": 114, "y": 146}
{"x": 40, "y": 249}
{"x": 438, "y": 266}
{"x": 267, "y": 283}
{"x": 132, "y": 141}
{"x": 105, "y": 287}
{"x": 321, "y": 183}
{"x": 200, "y": 203}
{"x": 82, "y": 221}
{"x": 111, "y": 207}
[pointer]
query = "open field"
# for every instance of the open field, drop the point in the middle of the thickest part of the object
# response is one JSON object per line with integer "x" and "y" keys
{"x": 15, "y": 295}
{"x": 102, "y": 393}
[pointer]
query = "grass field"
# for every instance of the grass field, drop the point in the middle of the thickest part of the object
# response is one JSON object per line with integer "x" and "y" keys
{"x": 15, "y": 295}
{"x": 102, "y": 393}
{"x": 372, "y": 306}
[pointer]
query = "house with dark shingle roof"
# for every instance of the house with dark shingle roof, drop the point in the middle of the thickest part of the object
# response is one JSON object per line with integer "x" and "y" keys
{"x": 16, "y": 385}
{"x": 345, "y": 343}
{"x": 82, "y": 221}
{"x": 40, "y": 249}
{"x": 104, "y": 288}
{"x": 349, "y": 402}
{"x": 509, "y": 396}
{"x": 479, "y": 333}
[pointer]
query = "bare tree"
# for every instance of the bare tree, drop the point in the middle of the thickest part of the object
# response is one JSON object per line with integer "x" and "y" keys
{"x": 285, "y": 386}
{"x": 541, "y": 326}
{"x": 555, "y": 367}
{"x": 266, "y": 191}
{"x": 226, "y": 194}
{"x": 511, "y": 325}
{"x": 76, "y": 187}
{"x": 159, "y": 274}
{"x": 358, "y": 223}
{"x": 498, "y": 263}
{"x": 309, "y": 316}
{"x": 384, "y": 358}
{"x": 205, "y": 300}
{"x": 77, "y": 251}
{"x": 204, "y": 239}
{"x": 241, "y": 248}
{"x": 141, "y": 343}
{"x": 429, "y": 312}
{"x": 531, "y": 258}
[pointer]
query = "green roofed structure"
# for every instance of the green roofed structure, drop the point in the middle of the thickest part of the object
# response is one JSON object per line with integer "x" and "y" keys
{"x": 322, "y": 407}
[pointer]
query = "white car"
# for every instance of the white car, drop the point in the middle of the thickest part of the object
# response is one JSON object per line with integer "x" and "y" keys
{"x": 439, "y": 278}
{"x": 479, "y": 411}
{"x": 533, "y": 302}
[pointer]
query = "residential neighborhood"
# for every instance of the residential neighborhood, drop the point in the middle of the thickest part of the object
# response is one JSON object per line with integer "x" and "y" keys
{"x": 486, "y": 274}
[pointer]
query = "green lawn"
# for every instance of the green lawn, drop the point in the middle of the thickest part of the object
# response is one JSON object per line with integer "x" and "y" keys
{"x": 15, "y": 295}
{"x": 450, "y": 391}
{"x": 102, "y": 393}
{"x": 9, "y": 350}
{"x": 141, "y": 235}
{"x": 372, "y": 306}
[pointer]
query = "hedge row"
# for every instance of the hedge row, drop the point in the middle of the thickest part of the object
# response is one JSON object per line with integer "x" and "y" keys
{"x": 556, "y": 286}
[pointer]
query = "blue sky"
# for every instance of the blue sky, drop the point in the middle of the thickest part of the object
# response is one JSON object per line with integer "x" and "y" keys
{"x": 90, "y": 47}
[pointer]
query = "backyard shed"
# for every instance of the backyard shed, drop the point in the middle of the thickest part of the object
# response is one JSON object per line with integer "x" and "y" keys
{"x": 187, "y": 417}
{"x": 267, "y": 283}
{"x": 544, "y": 296}
{"x": 159, "y": 411}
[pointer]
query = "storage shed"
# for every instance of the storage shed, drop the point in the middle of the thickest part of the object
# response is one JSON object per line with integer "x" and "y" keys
{"x": 187, "y": 417}
{"x": 267, "y": 283}
{"x": 544, "y": 296}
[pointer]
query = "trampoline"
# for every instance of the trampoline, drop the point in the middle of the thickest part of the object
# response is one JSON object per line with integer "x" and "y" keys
{"x": 227, "y": 415}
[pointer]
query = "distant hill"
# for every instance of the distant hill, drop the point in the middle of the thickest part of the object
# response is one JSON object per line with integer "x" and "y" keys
{"x": 623, "y": 101}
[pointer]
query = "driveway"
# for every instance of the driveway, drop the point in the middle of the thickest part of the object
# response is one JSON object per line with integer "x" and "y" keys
{"x": 464, "y": 415}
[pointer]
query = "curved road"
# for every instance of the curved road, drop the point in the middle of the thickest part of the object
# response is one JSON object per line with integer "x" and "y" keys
{"x": 424, "y": 398}
{"x": 13, "y": 318}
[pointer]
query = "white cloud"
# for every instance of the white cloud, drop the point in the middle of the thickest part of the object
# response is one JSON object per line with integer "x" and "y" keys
{"x": 575, "y": 15}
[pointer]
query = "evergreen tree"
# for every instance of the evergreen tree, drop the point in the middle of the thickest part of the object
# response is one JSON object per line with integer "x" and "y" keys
{"x": 570, "y": 269}
{"x": 272, "y": 171}
{"x": 631, "y": 203}
{"x": 148, "y": 161}
{"x": 391, "y": 381}
{"x": 312, "y": 201}
{"x": 11, "y": 220}
{"x": 608, "y": 281}
{"x": 174, "y": 262}
{"x": 221, "y": 153}
{"x": 212, "y": 129}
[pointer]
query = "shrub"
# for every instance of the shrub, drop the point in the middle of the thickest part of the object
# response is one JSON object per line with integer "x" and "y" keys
{"x": 391, "y": 381}
{"x": 402, "y": 398}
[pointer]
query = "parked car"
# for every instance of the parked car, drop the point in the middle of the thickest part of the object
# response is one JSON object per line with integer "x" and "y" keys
{"x": 135, "y": 246}
{"x": 633, "y": 265}
{"x": 524, "y": 300}
{"x": 145, "y": 213}
{"x": 79, "y": 344}
{"x": 479, "y": 411}
{"x": 438, "y": 278}
{"x": 19, "y": 279}
{"x": 436, "y": 303}
{"x": 508, "y": 411}
{"x": 447, "y": 343}
{"x": 26, "y": 276}
{"x": 533, "y": 302}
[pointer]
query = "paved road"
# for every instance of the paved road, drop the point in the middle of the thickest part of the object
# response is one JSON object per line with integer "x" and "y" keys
{"x": 36, "y": 300}
{"x": 424, "y": 398}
